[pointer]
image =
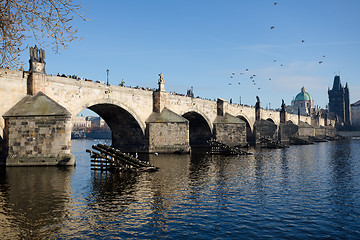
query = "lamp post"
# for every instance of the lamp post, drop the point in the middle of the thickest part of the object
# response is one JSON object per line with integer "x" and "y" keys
{"x": 107, "y": 77}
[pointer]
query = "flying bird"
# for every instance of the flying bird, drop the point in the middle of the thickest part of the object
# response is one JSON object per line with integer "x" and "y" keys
{"x": 303, "y": 41}
{"x": 272, "y": 27}
{"x": 247, "y": 69}
{"x": 321, "y": 62}
{"x": 275, "y": 3}
{"x": 269, "y": 79}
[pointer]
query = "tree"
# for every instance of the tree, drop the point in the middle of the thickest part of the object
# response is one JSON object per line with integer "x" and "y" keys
{"x": 48, "y": 22}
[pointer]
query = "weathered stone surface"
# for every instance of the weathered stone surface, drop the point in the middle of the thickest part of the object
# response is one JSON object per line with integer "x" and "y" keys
{"x": 330, "y": 131}
{"x": 230, "y": 130}
{"x": 126, "y": 109}
{"x": 38, "y": 105}
{"x": 266, "y": 129}
{"x": 167, "y": 132}
{"x": 306, "y": 130}
{"x": 38, "y": 132}
{"x": 286, "y": 131}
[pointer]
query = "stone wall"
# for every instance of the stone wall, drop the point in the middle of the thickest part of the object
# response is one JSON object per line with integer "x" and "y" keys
{"x": 39, "y": 140}
{"x": 13, "y": 87}
{"x": 230, "y": 134}
{"x": 168, "y": 137}
{"x": 320, "y": 132}
{"x": 286, "y": 131}
{"x": 264, "y": 128}
{"x": 229, "y": 129}
{"x": 306, "y": 130}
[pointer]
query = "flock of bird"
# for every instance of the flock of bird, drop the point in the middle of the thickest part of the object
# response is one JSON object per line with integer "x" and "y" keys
{"x": 252, "y": 76}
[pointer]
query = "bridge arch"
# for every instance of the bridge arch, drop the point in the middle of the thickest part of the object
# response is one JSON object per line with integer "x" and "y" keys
{"x": 270, "y": 120}
{"x": 128, "y": 132}
{"x": 249, "y": 128}
{"x": 200, "y": 131}
{"x": 111, "y": 102}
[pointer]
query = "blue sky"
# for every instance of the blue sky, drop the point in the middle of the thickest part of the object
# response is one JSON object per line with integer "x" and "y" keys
{"x": 202, "y": 43}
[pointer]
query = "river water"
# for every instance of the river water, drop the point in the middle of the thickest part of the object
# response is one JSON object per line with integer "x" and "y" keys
{"x": 310, "y": 192}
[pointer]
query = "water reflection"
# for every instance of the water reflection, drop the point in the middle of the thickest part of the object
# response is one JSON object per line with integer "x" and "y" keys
{"x": 300, "y": 192}
{"x": 342, "y": 196}
{"x": 32, "y": 199}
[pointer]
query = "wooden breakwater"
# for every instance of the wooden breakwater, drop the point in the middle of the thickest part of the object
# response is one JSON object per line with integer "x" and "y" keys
{"x": 219, "y": 148}
{"x": 106, "y": 158}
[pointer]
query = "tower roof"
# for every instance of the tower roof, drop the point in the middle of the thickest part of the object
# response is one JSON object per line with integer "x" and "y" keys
{"x": 337, "y": 83}
{"x": 303, "y": 96}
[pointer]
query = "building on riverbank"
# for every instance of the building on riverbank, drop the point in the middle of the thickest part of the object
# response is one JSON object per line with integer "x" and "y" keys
{"x": 355, "y": 114}
{"x": 303, "y": 103}
{"x": 89, "y": 127}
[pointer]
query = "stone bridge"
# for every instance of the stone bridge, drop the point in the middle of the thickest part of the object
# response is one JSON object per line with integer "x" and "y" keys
{"x": 36, "y": 109}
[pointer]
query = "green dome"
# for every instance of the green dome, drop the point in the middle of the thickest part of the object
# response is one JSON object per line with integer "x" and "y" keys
{"x": 303, "y": 96}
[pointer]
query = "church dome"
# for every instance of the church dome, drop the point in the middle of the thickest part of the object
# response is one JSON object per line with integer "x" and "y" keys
{"x": 303, "y": 96}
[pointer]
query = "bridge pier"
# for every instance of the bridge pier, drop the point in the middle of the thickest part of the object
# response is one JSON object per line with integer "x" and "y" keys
{"x": 228, "y": 129}
{"x": 167, "y": 132}
{"x": 38, "y": 133}
{"x": 286, "y": 131}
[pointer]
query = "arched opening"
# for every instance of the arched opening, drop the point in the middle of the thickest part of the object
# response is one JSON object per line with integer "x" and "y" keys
{"x": 199, "y": 130}
{"x": 249, "y": 134}
{"x": 270, "y": 120}
{"x": 126, "y": 133}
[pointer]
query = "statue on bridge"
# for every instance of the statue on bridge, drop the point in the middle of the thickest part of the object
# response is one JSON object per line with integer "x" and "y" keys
{"x": 283, "y": 106}
{"x": 161, "y": 83}
{"x": 37, "y": 59}
{"x": 37, "y": 55}
{"x": 257, "y": 109}
{"x": 283, "y": 112}
{"x": 161, "y": 79}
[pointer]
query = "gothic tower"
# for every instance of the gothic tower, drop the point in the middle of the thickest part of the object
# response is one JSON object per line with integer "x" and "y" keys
{"x": 339, "y": 101}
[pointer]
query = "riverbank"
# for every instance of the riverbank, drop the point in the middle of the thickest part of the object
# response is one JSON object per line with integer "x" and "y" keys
{"x": 351, "y": 134}
{"x": 91, "y": 135}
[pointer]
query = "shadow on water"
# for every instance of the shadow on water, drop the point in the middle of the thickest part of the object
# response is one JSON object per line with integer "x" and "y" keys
{"x": 32, "y": 199}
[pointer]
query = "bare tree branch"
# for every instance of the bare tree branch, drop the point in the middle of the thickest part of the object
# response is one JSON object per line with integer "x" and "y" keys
{"x": 48, "y": 22}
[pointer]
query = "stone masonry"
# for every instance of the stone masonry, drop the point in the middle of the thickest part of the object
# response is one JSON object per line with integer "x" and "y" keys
{"x": 38, "y": 132}
{"x": 133, "y": 114}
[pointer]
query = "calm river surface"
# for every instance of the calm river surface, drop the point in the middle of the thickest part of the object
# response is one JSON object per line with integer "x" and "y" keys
{"x": 302, "y": 192}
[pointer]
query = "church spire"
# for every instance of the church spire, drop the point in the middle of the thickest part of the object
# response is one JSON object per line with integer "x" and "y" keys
{"x": 337, "y": 83}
